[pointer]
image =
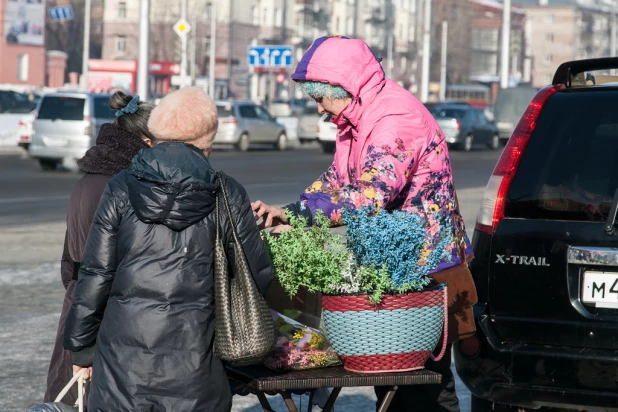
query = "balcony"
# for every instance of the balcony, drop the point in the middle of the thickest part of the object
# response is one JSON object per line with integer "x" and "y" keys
{"x": 375, "y": 16}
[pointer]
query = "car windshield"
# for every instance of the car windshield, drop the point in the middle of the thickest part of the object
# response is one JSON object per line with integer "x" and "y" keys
{"x": 448, "y": 113}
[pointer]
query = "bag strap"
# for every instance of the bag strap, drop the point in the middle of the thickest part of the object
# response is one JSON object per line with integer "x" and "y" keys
{"x": 79, "y": 378}
{"x": 226, "y": 203}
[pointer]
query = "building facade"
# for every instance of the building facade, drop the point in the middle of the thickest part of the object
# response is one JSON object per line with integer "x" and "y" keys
{"x": 22, "y": 46}
{"x": 564, "y": 30}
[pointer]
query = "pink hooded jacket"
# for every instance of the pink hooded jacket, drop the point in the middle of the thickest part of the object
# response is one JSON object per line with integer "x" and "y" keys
{"x": 390, "y": 151}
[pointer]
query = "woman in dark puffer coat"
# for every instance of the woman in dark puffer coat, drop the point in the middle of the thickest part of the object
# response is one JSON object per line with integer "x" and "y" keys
{"x": 145, "y": 289}
{"x": 116, "y": 145}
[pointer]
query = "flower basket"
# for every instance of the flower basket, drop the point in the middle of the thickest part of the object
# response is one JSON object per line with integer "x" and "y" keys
{"x": 397, "y": 335}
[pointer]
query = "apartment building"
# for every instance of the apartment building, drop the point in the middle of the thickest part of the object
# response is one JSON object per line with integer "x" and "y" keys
{"x": 563, "y": 30}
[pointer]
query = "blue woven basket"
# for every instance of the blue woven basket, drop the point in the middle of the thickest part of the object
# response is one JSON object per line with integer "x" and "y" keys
{"x": 397, "y": 335}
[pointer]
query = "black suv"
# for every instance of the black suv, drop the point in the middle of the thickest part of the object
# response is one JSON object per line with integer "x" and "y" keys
{"x": 546, "y": 255}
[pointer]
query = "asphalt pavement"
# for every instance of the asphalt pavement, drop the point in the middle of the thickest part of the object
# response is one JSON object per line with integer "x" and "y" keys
{"x": 32, "y": 212}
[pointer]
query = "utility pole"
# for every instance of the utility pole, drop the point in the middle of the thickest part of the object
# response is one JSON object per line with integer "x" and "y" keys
{"x": 213, "y": 40}
{"x": 183, "y": 39}
{"x": 355, "y": 24}
{"x": 284, "y": 22}
{"x": 230, "y": 43}
{"x": 86, "y": 49}
{"x": 143, "y": 64}
{"x": 612, "y": 37}
{"x": 193, "y": 69}
{"x": 506, "y": 44}
{"x": 426, "y": 52}
{"x": 390, "y": 22}
{"x": 443, "y": 61}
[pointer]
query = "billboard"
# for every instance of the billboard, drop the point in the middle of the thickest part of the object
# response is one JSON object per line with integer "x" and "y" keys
{"x": 24, "y": 22}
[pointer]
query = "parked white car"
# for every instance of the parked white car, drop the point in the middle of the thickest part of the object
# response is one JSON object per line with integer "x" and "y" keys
{"x": 327, "y": 133}
{"x": 25, "y": 131}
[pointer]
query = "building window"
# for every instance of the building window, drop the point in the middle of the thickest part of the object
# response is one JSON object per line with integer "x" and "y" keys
{"x": 549, "y": 58}
{"x": 121, "y": 43}
{"x": 337, "y": 24}
{"x": 549, "y": 37}
{"x": 484, "y": 63}
{"x": 265, "y": 16}
{"x": 485, "y": 39}
{"x": 412, "y": 34}
{"x": 549, "y": 19}
{"x": 256, "y": 15}
{"x": 278, "y": 17}
{"x": 98, "y": 26}
{"x": 403, "y": 63}
{"x": 122, "y": 10}
{"x": 350, "y": 27}
{"x": 22, "y": 67}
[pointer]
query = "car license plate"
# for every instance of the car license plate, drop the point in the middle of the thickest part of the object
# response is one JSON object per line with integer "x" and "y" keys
{"x": 54, "y": 141}
{"x": 601, "y": 289}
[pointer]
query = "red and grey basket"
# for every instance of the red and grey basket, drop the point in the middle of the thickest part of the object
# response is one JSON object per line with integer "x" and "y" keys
{"x": 397, "y": 335}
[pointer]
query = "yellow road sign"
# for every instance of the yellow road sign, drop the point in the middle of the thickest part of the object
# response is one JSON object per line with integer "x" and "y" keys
{"x": 182, "y": 27}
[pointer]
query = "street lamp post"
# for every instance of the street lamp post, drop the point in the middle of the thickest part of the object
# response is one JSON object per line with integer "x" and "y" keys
{"x": 506, "y": 44}
{"x": 86, "y": 48}
{"x": 213, "y": 39}
{"x": 143, "y": 66}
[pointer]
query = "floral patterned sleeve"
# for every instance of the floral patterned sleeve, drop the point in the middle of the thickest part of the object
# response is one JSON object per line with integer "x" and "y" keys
{"x": 383, "y": 174}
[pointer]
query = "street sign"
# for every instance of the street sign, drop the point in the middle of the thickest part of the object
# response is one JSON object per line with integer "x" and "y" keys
{"x": 61, "y": 13}
{"x": 270, "y": 56}
{"x": 182, "y": 27}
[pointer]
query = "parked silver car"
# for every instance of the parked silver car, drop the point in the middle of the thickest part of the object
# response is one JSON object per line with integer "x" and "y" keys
{"x": 308, "y": 123}
{"x": 66, "y": 125}
{"x": 242, "y": 123}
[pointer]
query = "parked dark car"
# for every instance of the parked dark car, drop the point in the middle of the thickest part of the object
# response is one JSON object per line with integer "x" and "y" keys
{"x": 464, "y": 125}
{"x": 546, "y": 256}
{"x": 13, "y": 102}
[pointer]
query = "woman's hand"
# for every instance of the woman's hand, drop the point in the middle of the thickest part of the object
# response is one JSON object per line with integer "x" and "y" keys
{"x": 273, "y": 216}
{"x": 281, "y": 228}
{"x": 87, "y": 374}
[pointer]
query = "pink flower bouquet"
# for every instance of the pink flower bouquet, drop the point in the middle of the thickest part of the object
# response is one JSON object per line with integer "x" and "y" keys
{"x": 299, "y": 347}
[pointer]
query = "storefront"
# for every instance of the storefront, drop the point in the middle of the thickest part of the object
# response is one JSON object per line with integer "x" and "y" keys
{"x": 105, "y": 75}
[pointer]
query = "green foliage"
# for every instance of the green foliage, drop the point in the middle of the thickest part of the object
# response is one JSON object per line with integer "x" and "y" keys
{"x": 307, "y": 256}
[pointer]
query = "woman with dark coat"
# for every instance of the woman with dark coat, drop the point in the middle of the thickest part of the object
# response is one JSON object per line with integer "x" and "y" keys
{"x": 116, "y": 145}
{"x": 145, "y": 291}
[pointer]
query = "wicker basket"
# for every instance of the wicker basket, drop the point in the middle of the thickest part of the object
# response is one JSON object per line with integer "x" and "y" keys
{"x": 397, "y": 335}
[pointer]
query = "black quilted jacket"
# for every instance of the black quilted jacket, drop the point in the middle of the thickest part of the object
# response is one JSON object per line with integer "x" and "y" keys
{"x": 145, "y": 289}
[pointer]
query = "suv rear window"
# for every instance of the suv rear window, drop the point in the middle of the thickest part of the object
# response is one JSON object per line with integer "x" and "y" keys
{"x": 442, "y": 113}
{"x": 101, "y": 108}
{"x": 60, "y": 107}
{"x": 225, "y": 111}
{"x": 569, "y": 170}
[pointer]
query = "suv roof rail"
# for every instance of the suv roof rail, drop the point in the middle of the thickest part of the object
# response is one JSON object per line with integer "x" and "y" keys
{"x": 567, "y": 71}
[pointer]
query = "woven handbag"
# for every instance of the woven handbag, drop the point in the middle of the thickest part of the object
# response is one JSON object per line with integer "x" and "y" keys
{"x": 244, "y": 328}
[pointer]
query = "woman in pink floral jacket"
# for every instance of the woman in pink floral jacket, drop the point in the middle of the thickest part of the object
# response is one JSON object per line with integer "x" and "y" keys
{"x": 390, "y": 153}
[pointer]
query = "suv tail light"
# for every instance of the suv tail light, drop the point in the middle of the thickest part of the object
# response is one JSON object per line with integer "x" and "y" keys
{"x": 88, "y": 129}
{"x": 457, "y": 124}
{"x": 229, "y": 121}
{"x": 492, "y": 206}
